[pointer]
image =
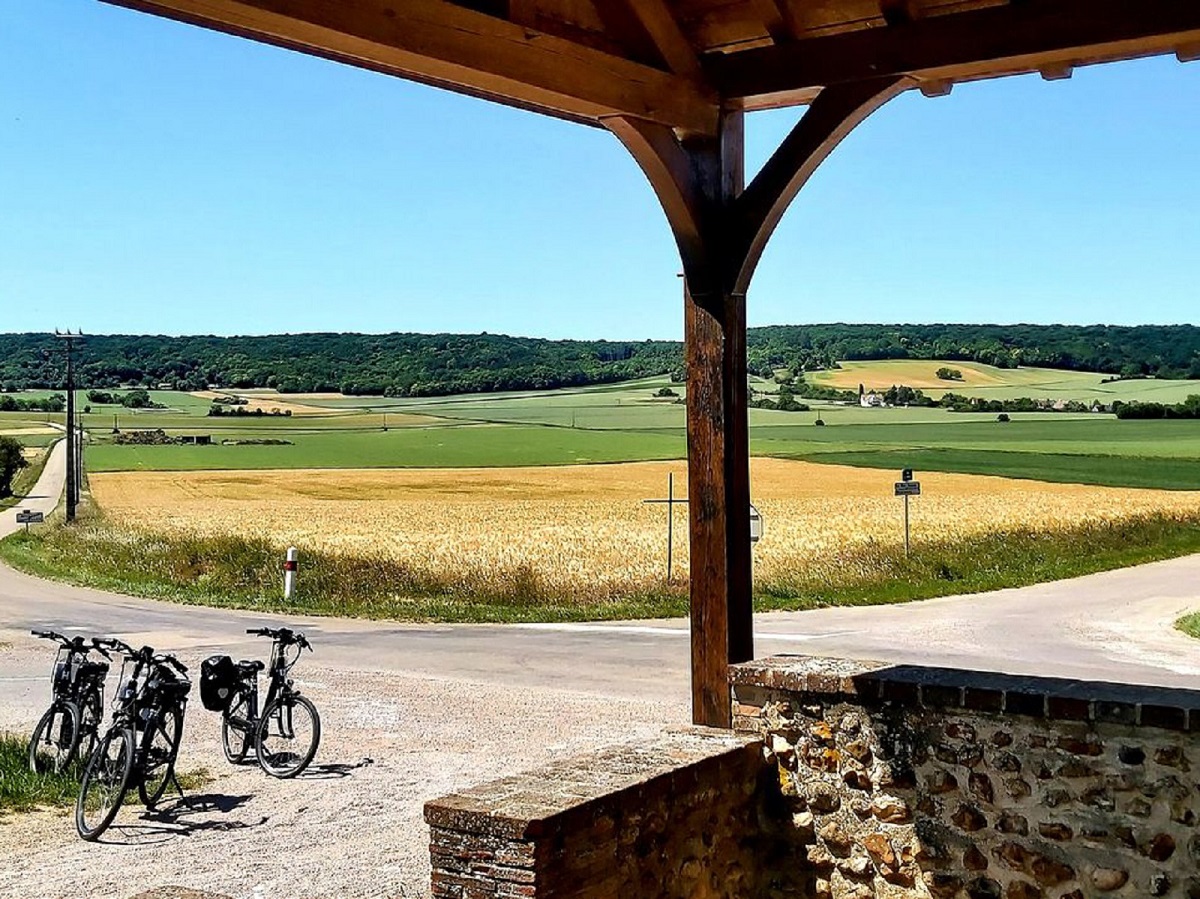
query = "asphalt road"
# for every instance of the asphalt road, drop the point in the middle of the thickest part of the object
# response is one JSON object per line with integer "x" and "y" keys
{"x": 1114, "y": 626}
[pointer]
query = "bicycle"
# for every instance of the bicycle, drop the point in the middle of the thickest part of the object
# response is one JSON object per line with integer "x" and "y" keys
{"x": 141, "y": 744}
{"x": 285, "y": 736}
{"x": 76, "y": 705}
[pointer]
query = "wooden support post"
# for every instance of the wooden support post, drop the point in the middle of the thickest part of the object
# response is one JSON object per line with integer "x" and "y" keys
{"x": 721, "y": 226}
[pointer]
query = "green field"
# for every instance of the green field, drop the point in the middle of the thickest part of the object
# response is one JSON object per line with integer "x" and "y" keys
{"x": 627, "y": 422}
{"x": 437, "y": 447}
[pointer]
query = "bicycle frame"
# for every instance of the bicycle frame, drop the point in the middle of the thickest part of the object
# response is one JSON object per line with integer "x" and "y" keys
{"x": 279, "y": 686}
{"x": 134, "y": 705}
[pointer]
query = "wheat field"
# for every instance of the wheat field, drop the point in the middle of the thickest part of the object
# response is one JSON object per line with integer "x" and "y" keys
{"x": 585, "y": 528}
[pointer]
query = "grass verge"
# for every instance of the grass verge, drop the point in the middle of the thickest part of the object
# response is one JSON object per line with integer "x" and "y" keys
{"x": 21, "y": 790}
{"x": 236, "y": 572}
{"x": 1190, "y": 624}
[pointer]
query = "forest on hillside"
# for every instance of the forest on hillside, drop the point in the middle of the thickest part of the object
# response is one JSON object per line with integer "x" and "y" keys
{"x": 439, "y": 364}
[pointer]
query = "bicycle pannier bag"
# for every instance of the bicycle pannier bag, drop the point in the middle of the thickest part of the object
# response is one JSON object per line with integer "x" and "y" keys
{"x": 218, "y": 681}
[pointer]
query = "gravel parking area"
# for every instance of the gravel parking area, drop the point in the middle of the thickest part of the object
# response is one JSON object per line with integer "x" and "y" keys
{"x": 352, "y": 826}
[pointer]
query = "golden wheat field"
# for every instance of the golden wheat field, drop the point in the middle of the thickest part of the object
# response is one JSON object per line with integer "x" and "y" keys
{"x": 587, "y": 525}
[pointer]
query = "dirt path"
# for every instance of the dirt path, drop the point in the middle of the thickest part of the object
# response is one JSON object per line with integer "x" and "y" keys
{"x": 352, "y": 827}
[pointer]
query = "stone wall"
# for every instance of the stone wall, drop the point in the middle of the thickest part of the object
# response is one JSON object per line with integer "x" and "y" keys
{"x": 909, "y": 781}
{"x": 694, "y": 813}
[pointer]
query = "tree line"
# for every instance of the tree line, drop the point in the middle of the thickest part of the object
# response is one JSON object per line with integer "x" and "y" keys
{"x": 440, "y": 364}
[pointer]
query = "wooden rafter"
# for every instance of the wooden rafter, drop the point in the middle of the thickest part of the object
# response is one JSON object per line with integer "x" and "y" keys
{"x": 777, "y": 18}
{"x": 658, "y": 20}
{"x": 1019, "y": 37}
{"x": 440, "y": 43}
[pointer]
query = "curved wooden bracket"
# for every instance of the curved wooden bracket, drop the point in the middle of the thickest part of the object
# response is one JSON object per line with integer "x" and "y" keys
{"x": 835, "y": 112}
{"x": 721, "y": 229}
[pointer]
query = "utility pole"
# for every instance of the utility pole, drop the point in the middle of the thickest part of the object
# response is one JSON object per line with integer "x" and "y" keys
{"x": 73, "y": 463}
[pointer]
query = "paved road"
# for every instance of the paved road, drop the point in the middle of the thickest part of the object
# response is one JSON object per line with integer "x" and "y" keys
{"x": 45, "y": 494}
{"x": 1111, "y": 626}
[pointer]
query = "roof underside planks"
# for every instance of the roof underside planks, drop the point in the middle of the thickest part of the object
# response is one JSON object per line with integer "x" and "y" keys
{"x": 680, "y": 62}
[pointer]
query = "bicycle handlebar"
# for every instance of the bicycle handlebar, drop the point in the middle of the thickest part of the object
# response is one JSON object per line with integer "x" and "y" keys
{"x": 75, "y": 644}
{"x": 172, "y": 661}
{"x": 284, "y": 635}
{"x": 120, "y": 645}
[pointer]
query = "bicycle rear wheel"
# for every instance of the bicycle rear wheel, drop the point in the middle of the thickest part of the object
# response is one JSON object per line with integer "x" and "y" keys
{"x": 105, "y": 780}
{"x": 160, "y": 746}
{"x": 55, "y": 740}
{"x": 237, "y": 728}
{"x": 287, "y": 736}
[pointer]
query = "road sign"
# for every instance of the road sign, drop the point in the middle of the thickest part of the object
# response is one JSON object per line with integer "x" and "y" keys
{"x": 26, "y": 517}
{"x": 908, "y": 488}
{"x": 906, "y": 474}
{"x": 756, "y": 524}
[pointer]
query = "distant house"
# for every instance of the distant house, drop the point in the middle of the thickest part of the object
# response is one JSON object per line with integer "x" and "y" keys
{"x": 165, "y": 385}
{"x": 871, "y": 400}
{"x": 1060, "y": 405}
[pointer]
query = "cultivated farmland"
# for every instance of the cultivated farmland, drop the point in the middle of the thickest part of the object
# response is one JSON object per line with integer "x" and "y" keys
{"x": 582, "y": 530}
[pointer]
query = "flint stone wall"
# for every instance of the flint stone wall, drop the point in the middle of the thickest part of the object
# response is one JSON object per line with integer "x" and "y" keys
{"x": 904, "y": 781}
{"x": 688, "y": 814}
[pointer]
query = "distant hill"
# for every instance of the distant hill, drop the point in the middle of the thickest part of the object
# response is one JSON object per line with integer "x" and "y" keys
{"x": 438, "y": 364}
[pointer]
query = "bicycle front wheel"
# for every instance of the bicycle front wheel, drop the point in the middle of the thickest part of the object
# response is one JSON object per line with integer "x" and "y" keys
{"x": 55, "y": 740}
{"x": 237, "y": 728}
{"x": 287, "y": 736}
{"x": 105, "y": 780}
{"x": 160, "y": 746}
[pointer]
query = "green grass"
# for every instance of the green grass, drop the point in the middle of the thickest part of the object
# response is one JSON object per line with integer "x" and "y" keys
{"x": 234, "y": 572}
{"x": 1190, "y": 624}
{"x": 21, "y": 790}
{"x": 472, "y": 446}
{"x": 993, "y": 561}
{"x": 1106, "y": 471}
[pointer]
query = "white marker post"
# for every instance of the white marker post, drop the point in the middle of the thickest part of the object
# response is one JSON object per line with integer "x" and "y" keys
{"x": 289, "y": 572}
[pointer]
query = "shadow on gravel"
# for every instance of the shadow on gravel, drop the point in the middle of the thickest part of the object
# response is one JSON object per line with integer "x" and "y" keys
{"x": 333, "y": 770}
{"x": 182, "y": 818}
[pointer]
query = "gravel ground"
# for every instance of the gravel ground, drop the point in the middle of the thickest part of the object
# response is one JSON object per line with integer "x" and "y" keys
{"x": 351, "y": 826}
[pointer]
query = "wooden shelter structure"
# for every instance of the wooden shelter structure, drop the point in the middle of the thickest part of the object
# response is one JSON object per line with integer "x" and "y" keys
{"x": 672, "y": 79}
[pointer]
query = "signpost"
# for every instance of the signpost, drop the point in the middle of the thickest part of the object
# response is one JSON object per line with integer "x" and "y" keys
{"x": 26, "y": 517}
{"x": 907, "y": 487}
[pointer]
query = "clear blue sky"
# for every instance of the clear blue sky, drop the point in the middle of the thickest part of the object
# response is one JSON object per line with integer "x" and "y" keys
{"x": 156, "y": 177}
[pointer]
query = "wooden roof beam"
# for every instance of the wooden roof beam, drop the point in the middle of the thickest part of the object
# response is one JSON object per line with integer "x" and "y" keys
{"x": 1026, "y": 37}
{"x": 439, "y": 43}
{"x": 639, "y": 21}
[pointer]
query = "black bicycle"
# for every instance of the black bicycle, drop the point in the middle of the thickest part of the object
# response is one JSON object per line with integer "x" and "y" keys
{"x": 286, "y": 734}
{"x": 76, "y": 706}
{"x": 141, "y": 744}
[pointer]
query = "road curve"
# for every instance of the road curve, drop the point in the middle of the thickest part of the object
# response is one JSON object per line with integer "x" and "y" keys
{"x": 1114, "y": 626}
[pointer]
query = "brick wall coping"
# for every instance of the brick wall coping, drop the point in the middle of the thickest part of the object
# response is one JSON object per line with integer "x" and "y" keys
{"x": 949, "y": 688}
{"x": 533, "y": 803}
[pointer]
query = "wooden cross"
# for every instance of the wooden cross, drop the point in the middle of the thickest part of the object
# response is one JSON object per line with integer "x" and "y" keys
{"x": 671, "y": 502}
